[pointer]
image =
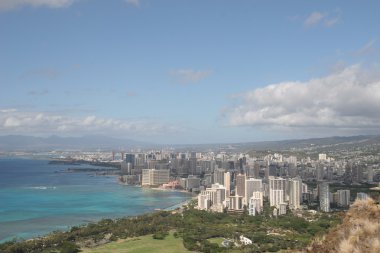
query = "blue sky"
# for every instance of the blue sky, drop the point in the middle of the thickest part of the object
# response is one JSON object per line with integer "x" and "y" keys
{"x": 176, "y": 71}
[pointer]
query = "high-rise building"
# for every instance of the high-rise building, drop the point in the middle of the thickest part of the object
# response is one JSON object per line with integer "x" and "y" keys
{"x": 324, "y": 196}
{"x": 266, "y": 174}
{"x": 276, "y": 198}
{"x": 227, "y": 183}
{"x": 272, "y": 170}
{"x": 236, "y": 202}
{"x": 126, "y": 168}
{"x": 220, "y": 194}
{"x": 252, "y": 185}
{"x": 193, "y": 164}
{"x": 240, "y": 185}
{"x": 292, "y": 170}
{"x": 249, "y": 171}
{"x": 192, "y": 182}
{"x": 357, "y": 173}
{"x": 304, "y": 188}
{"x": 277, "y": 184}
{"x": 256, "y": 168}
{"x": 370, "y": 174}
{"x": 255, "y": 204}
{"x": 130, "y": 158}
{"x": 343, "y": 198}
{"x": 153, "y": 177}
{"x": 204, "y": 202}
{"x": 140, "y": 159}
{"x": 295, "y": 193}
{"x": 151, "y": 164}
{"x": 219, "y": 176}
{"x": 320, "y": 172}
{"x": 216, "y": 196}
{"x": 361, "y": 196}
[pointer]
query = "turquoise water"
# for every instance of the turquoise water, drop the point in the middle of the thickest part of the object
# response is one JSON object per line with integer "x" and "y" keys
{"x": 37, "y": 198}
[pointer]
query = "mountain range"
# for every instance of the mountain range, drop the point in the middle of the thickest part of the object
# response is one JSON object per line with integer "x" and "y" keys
{"x": 97, "y": 142}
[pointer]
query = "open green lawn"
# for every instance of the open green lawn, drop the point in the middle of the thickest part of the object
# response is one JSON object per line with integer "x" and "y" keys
{"x": 142, "y": 244}
{"x": 217, "y": 240}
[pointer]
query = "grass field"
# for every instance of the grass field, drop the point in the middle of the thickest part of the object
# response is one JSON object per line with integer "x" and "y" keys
{"x": 217, "y": 240}
{"x": 142, "y": 244}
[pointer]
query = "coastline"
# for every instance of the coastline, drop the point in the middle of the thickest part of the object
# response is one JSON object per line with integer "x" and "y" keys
{"x": 111, "y": 205}
{"x": 180, "y": 205}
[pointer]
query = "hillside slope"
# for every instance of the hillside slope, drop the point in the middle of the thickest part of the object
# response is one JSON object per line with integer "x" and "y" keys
{"x": 358, "y": 233}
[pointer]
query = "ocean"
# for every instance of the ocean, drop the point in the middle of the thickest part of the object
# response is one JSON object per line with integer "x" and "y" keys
{"x": 37, "y": 198}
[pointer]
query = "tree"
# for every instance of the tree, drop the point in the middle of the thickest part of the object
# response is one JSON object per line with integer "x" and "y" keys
{"x": 69, "y": 247}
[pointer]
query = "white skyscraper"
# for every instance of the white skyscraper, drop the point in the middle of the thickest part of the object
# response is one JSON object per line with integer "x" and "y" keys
{"x": 212, "y": 198}
{"x": 277, "y": 184}
{"x": 276, "y": 198}
{"x": 227, "y": 183}
{"x": 252, "y": 185}
{"x": 295, "y": 194}
{"x": 153, "y": 177}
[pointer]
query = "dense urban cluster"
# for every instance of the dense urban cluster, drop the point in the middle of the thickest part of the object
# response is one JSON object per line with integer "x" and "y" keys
{"x": 235, "y": 182}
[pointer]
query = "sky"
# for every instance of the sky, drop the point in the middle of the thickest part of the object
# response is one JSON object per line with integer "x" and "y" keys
{"x": 190, "y": 71}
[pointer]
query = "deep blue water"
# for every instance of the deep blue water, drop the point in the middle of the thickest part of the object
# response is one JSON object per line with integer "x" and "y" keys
{"x": 37, "y": 198}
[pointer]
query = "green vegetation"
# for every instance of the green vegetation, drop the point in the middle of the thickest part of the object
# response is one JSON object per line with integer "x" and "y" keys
{"x": 267, "y": 233}
{"x": 217, "y": 240}
{"x": 142, "y": 244}
{"x": 195, "y": 230}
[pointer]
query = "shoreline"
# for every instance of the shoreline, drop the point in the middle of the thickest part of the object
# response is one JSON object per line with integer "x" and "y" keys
{"x": 21, "y": 234}
{"x": 180, "y": 205}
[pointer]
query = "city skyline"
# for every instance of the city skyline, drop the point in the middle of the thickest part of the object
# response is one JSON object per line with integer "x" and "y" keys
{"x": 189, "y": 71}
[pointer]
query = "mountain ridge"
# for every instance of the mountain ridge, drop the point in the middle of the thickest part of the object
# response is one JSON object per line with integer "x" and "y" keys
{"x": 99, "y": 142}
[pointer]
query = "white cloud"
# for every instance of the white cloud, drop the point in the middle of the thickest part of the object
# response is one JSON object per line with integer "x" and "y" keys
{"x": 331, "y": 21}
{"x": 349, "y": 99}
{"x": 368, "y": 48}
{"x": 11, "y": 4}
{"x": 314, "y": 18}
{"x": 8, "y": 110}
{"x": 324, "y": 18}
{"x": 186, "y": 76}
{"x": 45, "y": 123}
{"x": 133, "y": 2}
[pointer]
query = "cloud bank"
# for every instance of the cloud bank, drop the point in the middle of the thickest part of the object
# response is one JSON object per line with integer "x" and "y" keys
{"x": 13, "y": 121}
{"x": 12, "y": 4}
{"x": 348, "y": 99}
